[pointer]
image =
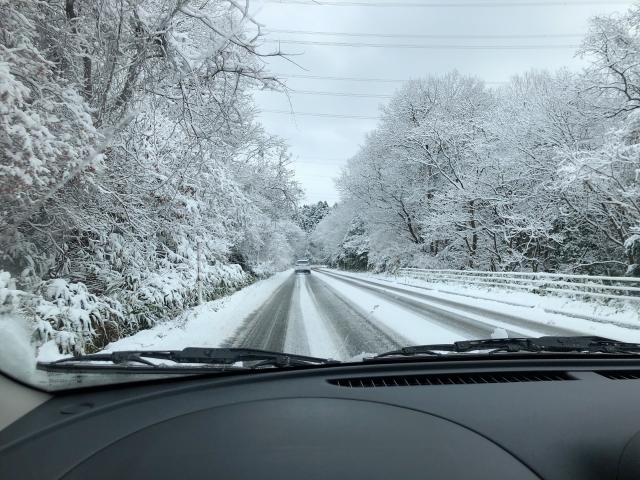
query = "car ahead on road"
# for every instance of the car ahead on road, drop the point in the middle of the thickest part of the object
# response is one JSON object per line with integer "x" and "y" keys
{"x": 563, "y": 408}
{"x": 303, "y": 266}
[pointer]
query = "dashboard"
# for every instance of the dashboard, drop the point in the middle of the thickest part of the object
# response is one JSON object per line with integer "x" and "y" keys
{"x": 524, "y": 418}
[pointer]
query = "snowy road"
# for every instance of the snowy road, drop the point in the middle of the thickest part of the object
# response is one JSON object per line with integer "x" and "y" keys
{"x": 466, "y": 321}
{"x": 307, "y": 316}
{"x": 334, "y": 315}
{"x": 340, "y": 315}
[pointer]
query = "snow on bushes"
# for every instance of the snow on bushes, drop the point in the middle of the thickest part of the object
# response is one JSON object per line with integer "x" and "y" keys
{"x": 60, "y": 311}
{"x": 80, "y": 322}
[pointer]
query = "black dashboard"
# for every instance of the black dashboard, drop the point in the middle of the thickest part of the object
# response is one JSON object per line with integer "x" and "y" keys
{"x": 525, "y": 418}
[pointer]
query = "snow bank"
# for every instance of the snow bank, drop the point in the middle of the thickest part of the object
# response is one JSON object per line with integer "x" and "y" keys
{"x": 17, "y": 355}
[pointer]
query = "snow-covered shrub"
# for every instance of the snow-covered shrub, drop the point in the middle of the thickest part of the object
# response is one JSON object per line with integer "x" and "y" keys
{"x": 81, "y": 322}
{"x": 148, "y": 299}
{"x": 271, "y": 247}
{"x": 63, "y": 312}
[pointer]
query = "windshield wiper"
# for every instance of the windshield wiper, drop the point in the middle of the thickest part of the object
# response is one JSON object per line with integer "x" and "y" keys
{"x": 578, "y": 344}
{"x": 207, "y": 356}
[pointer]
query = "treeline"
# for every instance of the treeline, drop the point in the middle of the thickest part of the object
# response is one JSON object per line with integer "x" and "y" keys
{"x": 537, "y": 175}
{"x": 130, "y": 158}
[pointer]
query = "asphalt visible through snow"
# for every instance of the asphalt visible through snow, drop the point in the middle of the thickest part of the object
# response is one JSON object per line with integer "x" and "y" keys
{"x": 305, "y": 305}
{"x": 266, "y": 327}
{"x": 309, "y": 314}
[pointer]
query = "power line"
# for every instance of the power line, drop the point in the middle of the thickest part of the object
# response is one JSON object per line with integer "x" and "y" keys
{"x": 313, "y": 176}
{"x": 321, "y": 114}
{"x": 395, "y": 35}
{"x": 336, "y": 94}
{"x": 325, "y": 158}
{"x": 342, "y": 160}
{"x": 353, "y": 116}
{"x": 300, "y": 162}
{"x": 330, "y": 195}
{"x": 384, "y": 80}
{"x": 427, "y": 47}
{"x": 319, "y": 163}
{"x": 449, "y": 5}
{"x": 337, "y": 78}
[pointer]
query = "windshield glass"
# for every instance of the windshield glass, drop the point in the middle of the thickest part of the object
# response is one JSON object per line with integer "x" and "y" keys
{"x": 440, "y": 171}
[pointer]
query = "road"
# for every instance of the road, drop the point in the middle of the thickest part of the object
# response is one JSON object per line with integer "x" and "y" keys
{"x": 330, "y": 314}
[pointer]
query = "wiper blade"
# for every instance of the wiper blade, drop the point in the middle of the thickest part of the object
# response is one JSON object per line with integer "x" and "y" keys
{"x": 586, "y": 344}
{"x": 208, "y": 356}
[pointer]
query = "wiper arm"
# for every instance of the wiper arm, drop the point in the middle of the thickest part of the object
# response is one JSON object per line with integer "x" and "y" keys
{"x": 213, "y": 356}
{"x": 586, "y": 344}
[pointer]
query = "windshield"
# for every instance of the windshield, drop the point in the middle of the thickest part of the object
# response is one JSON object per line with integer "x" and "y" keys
{"x": 334, "y": 180}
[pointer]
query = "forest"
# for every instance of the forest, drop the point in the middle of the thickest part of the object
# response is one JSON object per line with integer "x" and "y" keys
{"x": 136, "y": 182}
{"x": 537, "y": 175}
{"x": 133, "y": 168}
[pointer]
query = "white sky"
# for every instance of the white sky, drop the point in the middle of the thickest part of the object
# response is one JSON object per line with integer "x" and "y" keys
{"x": 321, "y": 144}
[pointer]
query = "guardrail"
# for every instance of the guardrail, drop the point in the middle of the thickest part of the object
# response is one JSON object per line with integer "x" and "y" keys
{"x": 623, "y": 288}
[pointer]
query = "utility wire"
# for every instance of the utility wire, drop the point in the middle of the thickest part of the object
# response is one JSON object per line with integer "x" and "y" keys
{"x": 323, "y": 195}
{"x": 395, "y": 35}
{"x": 337, "y": 78}
{"x": 354, "y": 79}
{"x": 319, "y": 163}
{"x": 320, "y": 114}
{"x": 306, "y": 162}
{"x": 429, "y": 47}
{"x": 324, "y": 158}
{"x": 313, "y": 114}
{"x": 336, "y": 94}
{"x": 314, "y": 176}
{"x": 448, "y": 5}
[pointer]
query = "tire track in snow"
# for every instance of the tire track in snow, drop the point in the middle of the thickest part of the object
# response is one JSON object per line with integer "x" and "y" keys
{"x": 297, "y": 337}
{"x": 308, "y": 317}
{"x": 266, "y": 327}
{"x": 355, "y": 332}
{"x": 490, "y": 314}
{"x": 463, "y": 326}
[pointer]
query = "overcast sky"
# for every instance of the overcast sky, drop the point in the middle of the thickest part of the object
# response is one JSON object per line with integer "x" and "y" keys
{"x": 321, "y": 145}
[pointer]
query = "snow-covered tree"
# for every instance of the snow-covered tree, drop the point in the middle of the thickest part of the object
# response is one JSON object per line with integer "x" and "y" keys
{"x": 540, "y": 174}
{"x": 310, "y": 215}
{"x": 130, "y": 150}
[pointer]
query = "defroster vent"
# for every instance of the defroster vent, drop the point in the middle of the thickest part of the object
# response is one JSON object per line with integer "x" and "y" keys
{"x": 450, "y": 379}
{"x": 621, "y": 375}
